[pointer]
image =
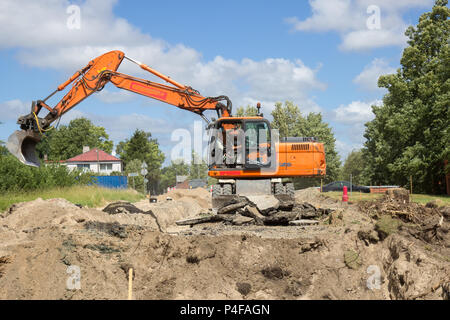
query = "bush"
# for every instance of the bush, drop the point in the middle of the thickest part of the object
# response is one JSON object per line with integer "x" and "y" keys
{"x": 16, "y": 176}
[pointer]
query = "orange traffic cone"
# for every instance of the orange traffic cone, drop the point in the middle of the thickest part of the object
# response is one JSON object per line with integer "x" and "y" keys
{"x": 345, "y": 195}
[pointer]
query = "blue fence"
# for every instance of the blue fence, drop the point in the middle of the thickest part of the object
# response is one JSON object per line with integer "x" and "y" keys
{"x": 113, "y": 182}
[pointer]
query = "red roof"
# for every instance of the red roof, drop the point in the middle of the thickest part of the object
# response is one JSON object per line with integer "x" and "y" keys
{"x": 91, "y": 156}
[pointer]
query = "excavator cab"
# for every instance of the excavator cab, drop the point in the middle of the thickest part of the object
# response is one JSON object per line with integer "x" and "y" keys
{"x": 240, "y": 143}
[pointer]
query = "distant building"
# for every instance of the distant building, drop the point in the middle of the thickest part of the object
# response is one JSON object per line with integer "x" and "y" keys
{"x": 182, "y": 182}
{"x": 198, "y": 183}
{"x": 96, "y": 161}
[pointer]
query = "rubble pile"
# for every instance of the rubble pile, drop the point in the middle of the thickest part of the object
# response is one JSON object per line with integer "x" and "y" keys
{"x": 427, "y": 222}
{"x": 396, "y": 203}
{"x": 260, "y": 210}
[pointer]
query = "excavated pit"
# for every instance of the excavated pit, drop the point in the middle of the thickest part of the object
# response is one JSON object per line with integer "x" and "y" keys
{"x": 374, "y": 250}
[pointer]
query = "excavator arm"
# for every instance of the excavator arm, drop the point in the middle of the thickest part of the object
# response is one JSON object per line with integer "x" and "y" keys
{"x": 92, "y": 78}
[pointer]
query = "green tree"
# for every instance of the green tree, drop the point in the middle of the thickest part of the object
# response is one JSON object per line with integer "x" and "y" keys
{"x": 291, "y": 123}
{"x": 135, "y": 166}
{"x": 198, "y": 168}
{"x": 68, "y": 141}
{"x": 169, "y": 173}
{"x": 142, "y": 147}
{"x": 409, "y": 135}
{"x": 287, "y": 119}
{"x": 3, "y": 150}
{"x": 248, "y": 111}
{"x": 354, "y": 165}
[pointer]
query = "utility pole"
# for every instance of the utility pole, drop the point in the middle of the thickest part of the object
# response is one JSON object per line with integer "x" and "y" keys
{"x": 351, "y": 185}
{"x": 144, "y": 173}
{"x": 98, "y": 164}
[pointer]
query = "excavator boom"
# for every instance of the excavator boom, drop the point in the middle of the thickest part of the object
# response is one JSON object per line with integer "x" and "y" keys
{"x": 92, "y": 78}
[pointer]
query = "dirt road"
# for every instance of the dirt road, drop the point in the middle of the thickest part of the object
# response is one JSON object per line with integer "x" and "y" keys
{"x": 365, "y": 251}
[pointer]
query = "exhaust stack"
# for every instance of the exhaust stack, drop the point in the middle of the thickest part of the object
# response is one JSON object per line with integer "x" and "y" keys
{"x": 22, "y": 144}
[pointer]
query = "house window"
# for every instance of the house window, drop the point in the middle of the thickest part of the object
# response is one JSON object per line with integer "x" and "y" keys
{"x": 105, "y": 166}
{"x": 84, "y": 166}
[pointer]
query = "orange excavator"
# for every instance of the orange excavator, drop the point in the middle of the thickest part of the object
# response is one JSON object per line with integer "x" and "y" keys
{"x": 244, "y": 154}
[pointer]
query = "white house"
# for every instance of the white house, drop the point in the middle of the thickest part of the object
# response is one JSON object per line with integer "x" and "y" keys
{"x": 95, "y": 160}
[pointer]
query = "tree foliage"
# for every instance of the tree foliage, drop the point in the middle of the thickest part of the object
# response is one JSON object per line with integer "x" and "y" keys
{"x": 354, "y": 165}
{"x": 410, "y": 133}
{"x": 197, "y": 169}
{"x": 248, "y": 111}
{"x": 68, "y": 141}
{"x": 143, "y": 148}
{"x": 169, "y": 173}
{"x": 135, "y": 166}
{"x": 291, "y": 123}
{"x": 3, "y": 150}
{"x": 19, "y": 177}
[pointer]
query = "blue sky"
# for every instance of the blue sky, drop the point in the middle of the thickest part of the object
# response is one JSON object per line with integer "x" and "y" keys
{"x": 320, "y": 54}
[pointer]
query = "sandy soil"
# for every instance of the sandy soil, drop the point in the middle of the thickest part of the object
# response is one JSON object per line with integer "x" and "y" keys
{"x": 340, "y": 258}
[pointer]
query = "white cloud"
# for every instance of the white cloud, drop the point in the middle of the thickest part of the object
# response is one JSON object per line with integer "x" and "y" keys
{"x": 368, "y": 39}
{"x": 350, "y": 127}
{"x": 349, "y": 19}
{"x": 40, "y": 26}
{"x": 357, "y": 112}
{"x": 368, "y": 78}
{"x": 108, "y": 96}
{"x": 12, "y": 109}
{"x": 344, "y": 148}
{"x": 120, "y": 127}
{"x": 328, "y": 16}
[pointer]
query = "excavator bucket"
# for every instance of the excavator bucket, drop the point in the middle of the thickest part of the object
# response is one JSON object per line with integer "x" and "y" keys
{"x": 22, "y": 144}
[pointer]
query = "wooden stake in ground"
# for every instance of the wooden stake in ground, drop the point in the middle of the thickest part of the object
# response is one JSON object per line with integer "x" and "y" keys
{"x": 130, "y": 284}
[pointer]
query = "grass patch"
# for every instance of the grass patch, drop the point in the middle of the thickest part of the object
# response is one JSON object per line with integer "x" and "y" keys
{"x": 441, "y": 200}
{"x": 352, "y": 259}
{"x": 386, "y": 226}
{"x": 425, "y": 198}
{"x": 90, "y": 196}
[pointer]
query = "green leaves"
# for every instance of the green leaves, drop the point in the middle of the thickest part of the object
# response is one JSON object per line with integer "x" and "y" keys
{"x": 410, "y": 132}
{"x": 354, "y": 165}
{"x": 248, "y": 111}
{"x": 18, "y": 177}
{"x": 68, "y": 141}
{"x": 142, "y": 147}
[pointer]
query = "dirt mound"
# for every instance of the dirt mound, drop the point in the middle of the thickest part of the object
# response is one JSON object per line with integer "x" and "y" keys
{"x": 316, "y": 198}
{"x": 168, "y": 212}
{"x": 199, "y": 195}
{"x": 25, "y": 218}
{"x": 343, "y": 257}
{"x": 398, "y": 205}
{"x": 425, "y": 222}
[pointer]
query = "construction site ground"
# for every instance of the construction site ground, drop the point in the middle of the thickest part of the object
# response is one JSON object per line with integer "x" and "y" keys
{"x": 384, "y": 249}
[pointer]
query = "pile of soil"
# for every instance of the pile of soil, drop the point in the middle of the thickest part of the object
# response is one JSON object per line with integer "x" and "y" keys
{"x": 200, "y": 196}
{"x": 341, "y": 258}
{"x": 316, "y": 198}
